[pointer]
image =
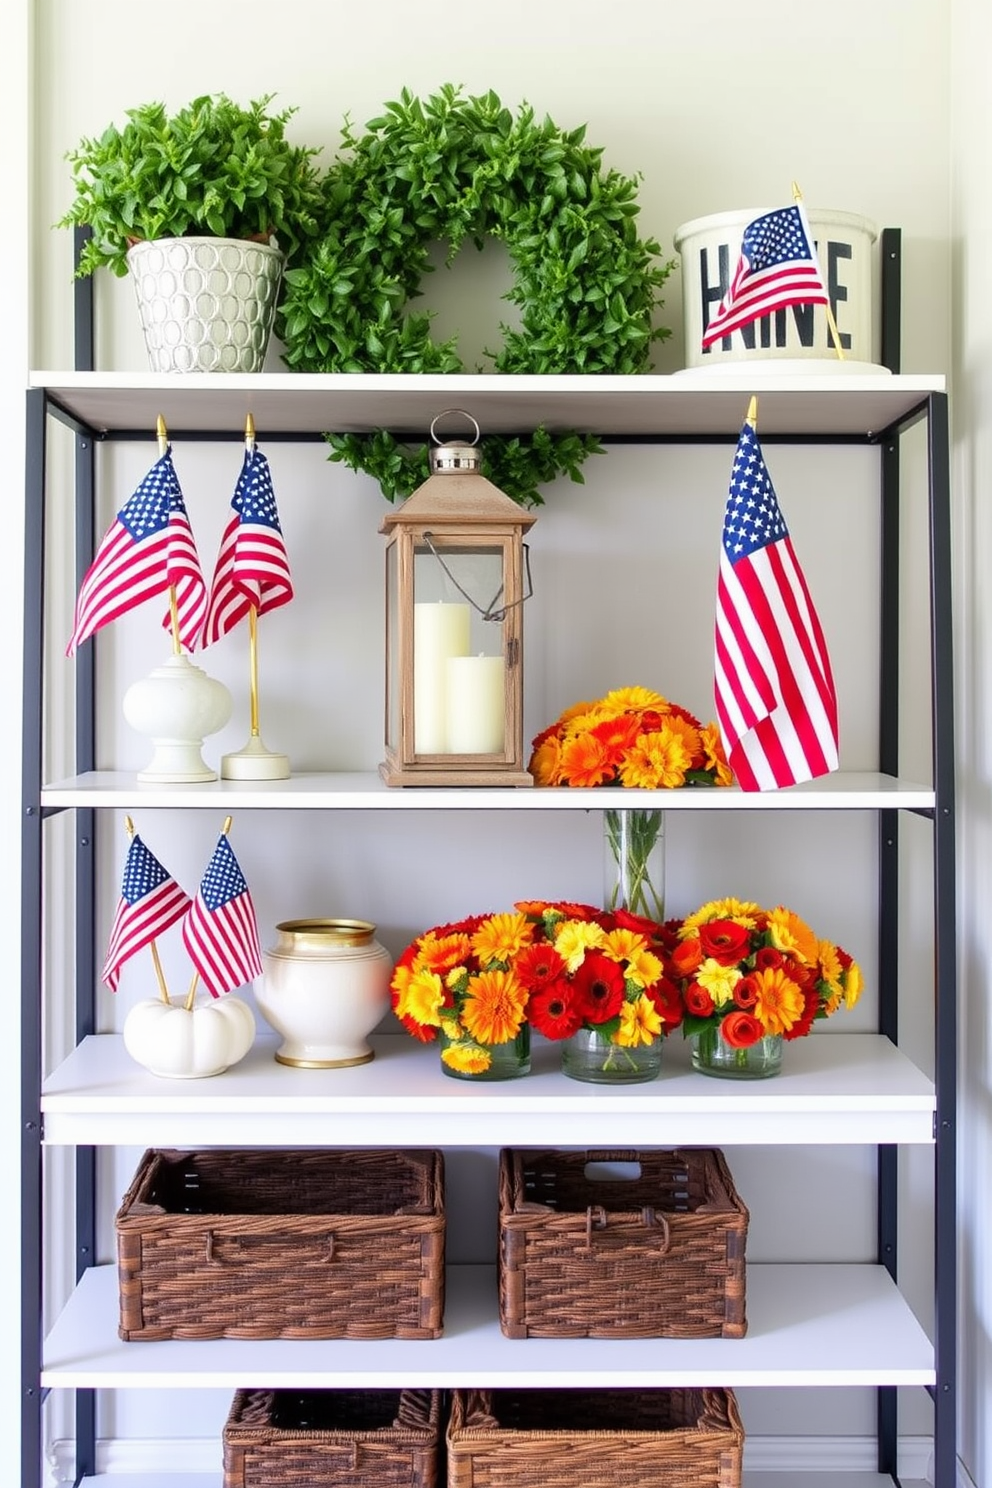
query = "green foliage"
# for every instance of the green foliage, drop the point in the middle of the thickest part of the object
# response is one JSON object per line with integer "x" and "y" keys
{"x": 518, "y": 466}
{"x": 449, "y": 169}
{"x": 214, "y": 169}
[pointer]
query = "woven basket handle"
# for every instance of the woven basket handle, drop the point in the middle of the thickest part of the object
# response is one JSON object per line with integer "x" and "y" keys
{"x": 244, "y": 1245}
{"x": 596, "y": 1219}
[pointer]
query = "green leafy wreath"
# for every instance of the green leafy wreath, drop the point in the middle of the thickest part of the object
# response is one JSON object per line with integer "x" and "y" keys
{"x": 449, "y": 169}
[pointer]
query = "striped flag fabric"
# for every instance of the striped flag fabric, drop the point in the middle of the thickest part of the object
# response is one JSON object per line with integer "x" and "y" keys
{"x": 151, "y": 901}
{"x": 220, "y": 931}
{"x": 148, "y": 547}
{"x": 252, "y": 569}
{"x": 775, "y": 697}
{"x": 777, "y": 267}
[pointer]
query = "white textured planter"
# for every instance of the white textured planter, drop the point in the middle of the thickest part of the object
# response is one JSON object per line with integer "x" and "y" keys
{"x": 325, "y": 987}
{"x": 710, "y": 247}
{"x": 206, "y": 304}
{"x": 189, "y": 1044}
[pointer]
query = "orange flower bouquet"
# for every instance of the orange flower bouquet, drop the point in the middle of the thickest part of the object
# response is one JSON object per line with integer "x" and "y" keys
{"x": 459, "y": 984}
{"x": 636, "y": 738}
{"x": 750, "y": 978}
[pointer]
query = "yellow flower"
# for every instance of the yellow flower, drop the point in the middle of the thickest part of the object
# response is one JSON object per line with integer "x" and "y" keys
{"x": 657, "y": 760}
{"x": 494, "y": 1009}
{"x": 719, "y": 981}
{"x": 741, "y": 911}
{"x": 574, "y": 938}
{"x": 620, "y": 945}
{"x": 713, "y": 754}
{"x": 625, "y": 946}
{"x": 779, "y": 1002}
{"x": 639, "y": 1023}
{"x": 831, "y": 972}
{"x": 792, "y": 935}
{"x": 501, "y": 936}
{"x": 466, "y": 1059}
{"x": 422, "y": 999}
{"x": 634, "y": 700}
{"x": 853, "y": 984}
{"x": 450, "y": 1026}
{"x": 580, "y": 720}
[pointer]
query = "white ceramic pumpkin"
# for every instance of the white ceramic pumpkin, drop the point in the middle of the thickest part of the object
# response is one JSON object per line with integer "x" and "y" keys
{"x": 186, "y": 1044}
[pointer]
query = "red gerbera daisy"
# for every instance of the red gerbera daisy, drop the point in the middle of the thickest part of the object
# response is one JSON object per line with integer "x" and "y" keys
{"x": 537, "y": 965}
{"x": 553, "y": 1010}
{"x": 598, "y": 986}
{"x": 667, "y": 1001}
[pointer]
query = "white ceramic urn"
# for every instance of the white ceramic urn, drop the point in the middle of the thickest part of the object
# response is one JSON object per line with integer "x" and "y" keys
{"x": 325, "y": 986}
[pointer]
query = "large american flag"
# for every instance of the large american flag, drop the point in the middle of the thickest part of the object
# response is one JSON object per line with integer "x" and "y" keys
{"x": 150, "y": 902}
{"x": 220, "y": 932}
{"x": 777, "y": 267}
{"x": 148, "y": 547}
{"x": 252, "y": 570}
{"x": 775, "y": 697}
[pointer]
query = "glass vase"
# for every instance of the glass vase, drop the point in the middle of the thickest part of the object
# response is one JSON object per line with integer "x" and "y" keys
{"x": 634, "y": 862}
{"x": 712, "y": 1055}
{"x": 464, "y": 1060}
{"x": 591, "y": 1056}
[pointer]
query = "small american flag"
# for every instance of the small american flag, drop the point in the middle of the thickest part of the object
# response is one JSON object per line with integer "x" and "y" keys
{"x": 252, "y": 569}
{"x": 774, "y": 689}
{"x": 150, "y": 902}
{"x": 148, "y": 547}
{"x": 777, "y": 267}
{"x": 220, "y": 932}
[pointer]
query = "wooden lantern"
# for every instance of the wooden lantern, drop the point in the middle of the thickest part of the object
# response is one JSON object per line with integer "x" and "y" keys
{"x": 456, "y": 580}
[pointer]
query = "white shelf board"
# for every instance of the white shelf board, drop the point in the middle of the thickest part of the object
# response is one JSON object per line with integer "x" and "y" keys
{"x": 680, "y": 404}
{"x": 843, "y": 790}
{"x": 807, "y": 1325}
{"x": 835, "y": 1088}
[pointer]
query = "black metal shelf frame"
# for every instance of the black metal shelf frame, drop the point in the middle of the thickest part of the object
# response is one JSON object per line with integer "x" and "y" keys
{"x": 933, "y": 409}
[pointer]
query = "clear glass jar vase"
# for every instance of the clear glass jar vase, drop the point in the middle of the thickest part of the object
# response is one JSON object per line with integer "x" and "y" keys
{"x": 464, "y": 1060}
{"x": 712, "y": 1055}
{"x": 592, "y": 1056}
{"x": 634, "y": 862}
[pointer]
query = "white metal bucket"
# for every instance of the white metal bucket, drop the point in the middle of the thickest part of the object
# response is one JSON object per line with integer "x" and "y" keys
{"x": 710, "y": 248}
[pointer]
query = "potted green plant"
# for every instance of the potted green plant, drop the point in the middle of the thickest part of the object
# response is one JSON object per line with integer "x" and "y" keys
{"x": 196, "y": 206}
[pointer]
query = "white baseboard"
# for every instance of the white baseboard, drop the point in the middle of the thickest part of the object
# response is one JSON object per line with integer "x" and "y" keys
{"x": 786, "y": 1454}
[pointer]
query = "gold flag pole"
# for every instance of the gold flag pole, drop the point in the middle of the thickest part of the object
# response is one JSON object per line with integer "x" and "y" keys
{"x": 253, "y": 761}
{"x": 191, "y": 994}
{"x": 752, "y": 413}
{"x": 163, "y": 445}
{"x": 797, "y": 197}
{"x": 153, "y": 947}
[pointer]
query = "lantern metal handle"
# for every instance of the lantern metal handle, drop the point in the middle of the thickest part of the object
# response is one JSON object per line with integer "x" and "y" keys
{"x": 444, "y": 414}
{"x": 489, "y": 612}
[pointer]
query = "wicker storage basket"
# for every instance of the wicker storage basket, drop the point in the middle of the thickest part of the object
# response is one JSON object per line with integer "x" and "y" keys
{"x": 332, "y": 1439}
{"x": 659, "y": 1255}
{"x": 283, "y": 1244}
{"x": 594, "y": 1439}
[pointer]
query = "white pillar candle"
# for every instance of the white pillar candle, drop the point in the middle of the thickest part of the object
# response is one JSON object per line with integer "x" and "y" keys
{"x": 440, "y": 631}
{"x": 476, "y": 714}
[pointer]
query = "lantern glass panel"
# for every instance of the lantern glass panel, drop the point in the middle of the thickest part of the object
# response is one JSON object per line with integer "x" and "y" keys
{"x": 459, "y": 676}
{"x": 393, "y": 667}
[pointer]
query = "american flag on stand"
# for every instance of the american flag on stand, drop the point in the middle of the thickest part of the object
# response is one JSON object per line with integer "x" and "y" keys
{"x": 148, "y": 547}
{"x": 220, "y": 932}
{"x": 252, "y": 569}
{"x": 777, "y": 267}
{"x": 775, "y": 698}
{"x": 150, "y": 902}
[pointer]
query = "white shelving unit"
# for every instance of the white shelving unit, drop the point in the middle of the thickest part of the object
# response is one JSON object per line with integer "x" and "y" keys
{"x": 808, "y": 1324}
